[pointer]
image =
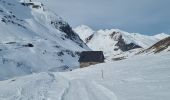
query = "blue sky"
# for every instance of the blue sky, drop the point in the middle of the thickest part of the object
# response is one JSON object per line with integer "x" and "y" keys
{"x": 142, "y": 16}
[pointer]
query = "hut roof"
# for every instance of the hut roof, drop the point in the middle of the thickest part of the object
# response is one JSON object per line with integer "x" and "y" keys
{"x": 91, "y": 56}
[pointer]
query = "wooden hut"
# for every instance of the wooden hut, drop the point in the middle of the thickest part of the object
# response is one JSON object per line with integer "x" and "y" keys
{"x": 88, "y": 58}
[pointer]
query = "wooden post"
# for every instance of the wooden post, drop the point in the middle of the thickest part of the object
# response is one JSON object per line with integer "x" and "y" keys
{"x": 102, "y": 71}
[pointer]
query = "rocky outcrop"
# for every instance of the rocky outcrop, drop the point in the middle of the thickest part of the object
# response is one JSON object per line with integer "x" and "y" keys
{"x": 70, "y": 34}
{"x": 160, "y": 46}
{"x": 89, "y": 38}
{"x": 121, "y": 44}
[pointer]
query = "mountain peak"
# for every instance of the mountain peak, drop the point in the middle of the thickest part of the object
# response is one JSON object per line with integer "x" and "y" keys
{"x": 161, "y": 35}
{"x": 83, "y": 27}
{"x": 83, "y": 31}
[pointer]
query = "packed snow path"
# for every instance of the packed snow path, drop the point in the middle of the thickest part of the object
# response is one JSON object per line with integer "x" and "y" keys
{"x": 49, "y": 87}
{"x": 86, "y": 90}
{"x": 144, "y": 77}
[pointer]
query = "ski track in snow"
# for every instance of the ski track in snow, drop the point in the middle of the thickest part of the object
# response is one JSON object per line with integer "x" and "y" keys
{"x": 86, "y": 90}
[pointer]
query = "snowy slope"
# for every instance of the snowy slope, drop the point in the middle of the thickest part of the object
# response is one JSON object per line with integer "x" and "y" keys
{"x": 144, "y": 77}
{"x": 34, "y": 39}
{"x": 161, "y": 36}
{"x": 114, "y": 41}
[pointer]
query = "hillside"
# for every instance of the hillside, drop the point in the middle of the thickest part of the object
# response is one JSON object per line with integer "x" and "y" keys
{"x": 161, "y": 46}
{"x": 144, "y": 77}
{"x": 34, "y": 39}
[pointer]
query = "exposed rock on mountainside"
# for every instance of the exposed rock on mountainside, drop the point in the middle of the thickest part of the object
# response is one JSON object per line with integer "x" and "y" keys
{"x": 89, "y": 38}
{"x": 121, "y": 43}
{"x": 70, "y": 34}
{"x": 161, "y": 45}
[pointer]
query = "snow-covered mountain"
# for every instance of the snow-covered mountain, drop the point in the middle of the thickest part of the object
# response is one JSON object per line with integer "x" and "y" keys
{"x": 34, "y": 39}
{"x": 84, "y": 32}
{"x": 145, "y": 77}
{"x": 115, "y": 41}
